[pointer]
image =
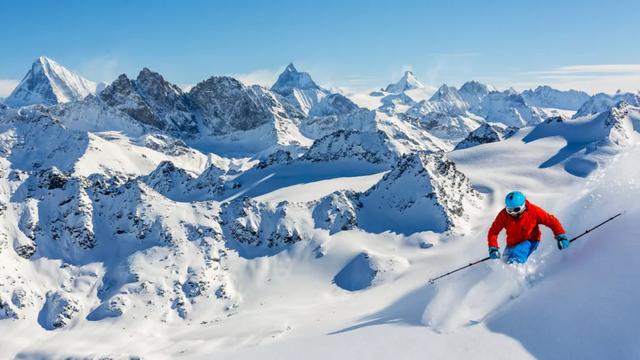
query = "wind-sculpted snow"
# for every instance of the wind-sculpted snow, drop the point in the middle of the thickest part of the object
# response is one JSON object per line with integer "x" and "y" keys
{"x": 93, "y": 114}
{"x": 366, "y": 270}
{"x": 589, "y": 136}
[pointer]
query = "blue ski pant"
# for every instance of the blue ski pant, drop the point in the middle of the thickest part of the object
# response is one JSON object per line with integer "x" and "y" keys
{"x": 519, "y": 254}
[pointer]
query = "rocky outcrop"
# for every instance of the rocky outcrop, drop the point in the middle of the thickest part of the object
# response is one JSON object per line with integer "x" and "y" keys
{"x": 151, "y": 100}
{"x": 265, "y": 228}
{"x": 337, "y": 212}
{"x": 485, "y": 134}
{"x": 372, "y": 147}
{"x": 421, "y": 192}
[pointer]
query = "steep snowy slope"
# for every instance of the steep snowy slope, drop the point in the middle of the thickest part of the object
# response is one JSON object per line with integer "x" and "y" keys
{"x": 49, "y": 83}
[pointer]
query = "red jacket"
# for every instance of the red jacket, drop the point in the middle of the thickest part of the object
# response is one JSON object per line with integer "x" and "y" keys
{"x": 524, "y": 227}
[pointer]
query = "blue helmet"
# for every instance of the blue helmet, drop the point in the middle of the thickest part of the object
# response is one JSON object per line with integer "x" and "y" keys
{"x": 514, "y": 199}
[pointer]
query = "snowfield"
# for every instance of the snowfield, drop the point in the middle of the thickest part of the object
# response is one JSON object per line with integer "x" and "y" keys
{"x": 283, "y": 223}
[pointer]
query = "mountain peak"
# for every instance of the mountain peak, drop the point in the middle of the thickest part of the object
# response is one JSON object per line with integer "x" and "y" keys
{"x": 291, "y": 79}
{"x": 446, "y": 93}
{"x": 408, "y": 81}
{"x": 42, "y": 60}
{"x": 472, "y": 92}
{"x": 291, "y": 68}
{"x": 48, "y": 82}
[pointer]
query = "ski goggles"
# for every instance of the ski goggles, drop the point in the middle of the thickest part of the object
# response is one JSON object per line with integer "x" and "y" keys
{"x": 515, "y": 210}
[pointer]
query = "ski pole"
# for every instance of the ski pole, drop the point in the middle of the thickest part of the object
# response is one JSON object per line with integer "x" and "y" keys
{"x": 432, "y": 280}
{"x": 595, "y": 227}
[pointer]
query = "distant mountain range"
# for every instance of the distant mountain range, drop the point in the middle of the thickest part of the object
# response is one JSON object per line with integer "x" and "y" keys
{"x": 138, "y": 202}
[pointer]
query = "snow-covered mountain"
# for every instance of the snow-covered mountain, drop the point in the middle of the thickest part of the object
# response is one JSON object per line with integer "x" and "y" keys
{"x": 420, "y": 192}
{"x": 373, "y": 147}
{"x": 408, "y": 81}
{"x": 601, "y": 102}
{"x": 151, "y": 100}
{"x": 401, "y": 95}
{"x": 449, "y": 96}
{"x": 472, "y": 92}
{"x": 299, "y": 89}
{"x": 509, "y": 108}
{"x": 229, "y": 213}
{"x": 444, "y": 115}
{"x": 48, "y": 82}
{"x": 548, "y": 97}
{"x": 219, "y": 112}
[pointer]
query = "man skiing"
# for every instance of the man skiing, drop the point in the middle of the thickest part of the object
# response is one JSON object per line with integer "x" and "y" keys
{"x": 521, "y": 219}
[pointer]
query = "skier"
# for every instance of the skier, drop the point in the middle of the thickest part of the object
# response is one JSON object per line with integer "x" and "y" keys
{"x": 521, "y": 219}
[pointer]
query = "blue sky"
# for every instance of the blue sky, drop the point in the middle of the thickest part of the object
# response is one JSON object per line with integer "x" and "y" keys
{"x": 356, "y": 45}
